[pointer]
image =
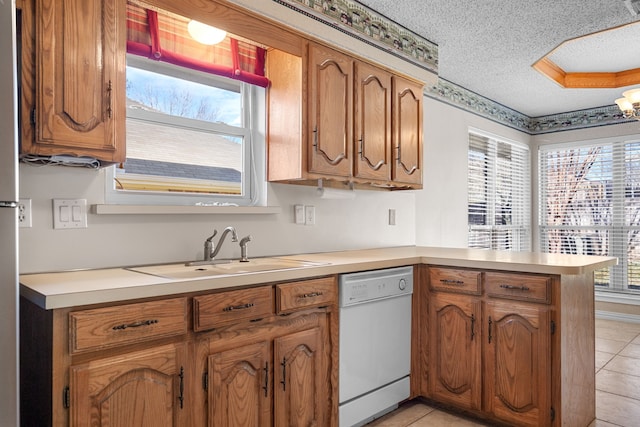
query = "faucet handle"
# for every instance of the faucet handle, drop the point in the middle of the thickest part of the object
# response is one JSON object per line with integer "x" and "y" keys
{"x": 215, "y": 232}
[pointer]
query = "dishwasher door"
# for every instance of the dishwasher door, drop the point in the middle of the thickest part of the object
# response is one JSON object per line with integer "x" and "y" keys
{"x": 375, "y": 345}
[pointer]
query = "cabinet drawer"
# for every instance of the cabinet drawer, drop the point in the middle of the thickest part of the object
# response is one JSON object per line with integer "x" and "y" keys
{"x": 215, "y": 310}
{"x": 523, "y": 287}
{"x": 305, "y": 294}
{"x": 455, "y": 280}
{"x": 123, "y": 324}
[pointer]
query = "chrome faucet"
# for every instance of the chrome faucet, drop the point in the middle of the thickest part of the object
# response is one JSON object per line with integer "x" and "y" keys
{"x": 211, "y": 249}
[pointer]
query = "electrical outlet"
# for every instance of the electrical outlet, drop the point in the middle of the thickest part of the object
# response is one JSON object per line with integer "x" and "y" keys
{"x": 24, "y": 213}
{"x": 392, "y": 217}
{"x": 310, "y": 215}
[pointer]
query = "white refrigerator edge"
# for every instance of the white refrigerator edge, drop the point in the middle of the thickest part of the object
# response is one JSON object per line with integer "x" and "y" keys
{"x": 9, "y": 374}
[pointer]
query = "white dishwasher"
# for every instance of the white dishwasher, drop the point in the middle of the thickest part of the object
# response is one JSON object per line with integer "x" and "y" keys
{"x": 375, "y": 343}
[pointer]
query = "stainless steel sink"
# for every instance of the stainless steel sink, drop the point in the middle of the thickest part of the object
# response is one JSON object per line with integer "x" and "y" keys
{"x": 227, "y": 267}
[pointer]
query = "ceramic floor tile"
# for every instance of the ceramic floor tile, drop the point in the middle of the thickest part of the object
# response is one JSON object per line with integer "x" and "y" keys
{"x": 603, "y": 358}
{"x": 403, "y": 416}
{"x": 624, "y": 365}
{"x": 631, "y": 350}
{"x": 617, "y": 383}
{"x": 618, "y": 410}
{"x": 600, "y": 423}
{"x": 609, "y": 346}
{"x": 636, "y": 340}
{"x": 443, "y": 419}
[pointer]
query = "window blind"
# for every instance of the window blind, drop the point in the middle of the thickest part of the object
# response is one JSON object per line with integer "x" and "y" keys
{"x": 498, "y": 194}
{"x": 590, "y": 204}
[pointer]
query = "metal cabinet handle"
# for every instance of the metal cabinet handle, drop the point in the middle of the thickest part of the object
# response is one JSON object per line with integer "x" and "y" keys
{"x": 135, "y": 324}
{"x": 516, "y": 288}
{"x": 473, "y": 326}
{"x": 109, "y": 92}
{"x": 238, "y": 307}
{"x": 284, "y": 374}
{"x": 452, "y": 282}
{"x": 181, "y": 395}
{"x": 490, "y": 323}
{"x": 315, "y": 138}
{"x": 266, "y": 379}
{"x": 311, "y": 295}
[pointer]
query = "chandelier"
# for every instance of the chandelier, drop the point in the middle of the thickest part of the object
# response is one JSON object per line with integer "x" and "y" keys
{"x": 630, "y": 104}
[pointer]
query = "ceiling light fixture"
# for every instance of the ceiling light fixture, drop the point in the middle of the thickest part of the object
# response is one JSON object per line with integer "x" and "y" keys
{"x": 630, "y": 104}
{"x": 205, "y": 34}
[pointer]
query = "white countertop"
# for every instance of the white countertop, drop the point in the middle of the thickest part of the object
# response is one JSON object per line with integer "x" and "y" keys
{"x": 83, "y": 287}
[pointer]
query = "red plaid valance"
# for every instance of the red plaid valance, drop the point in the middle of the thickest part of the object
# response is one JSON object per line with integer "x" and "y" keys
{"x": 163, "y": 36}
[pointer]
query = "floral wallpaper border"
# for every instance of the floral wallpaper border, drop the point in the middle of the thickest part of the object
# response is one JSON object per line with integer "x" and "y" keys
{"x": 358, "y": 21}
{"x": 467, "y": 100}
{"x": 362, "y": 23}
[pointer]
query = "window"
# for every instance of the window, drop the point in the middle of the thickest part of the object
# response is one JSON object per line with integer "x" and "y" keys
{"x": 498, "y": 193}
{"x": 590, "y": 204}
{"x": 195, "y": 117}
{"x": 188, "y": 133}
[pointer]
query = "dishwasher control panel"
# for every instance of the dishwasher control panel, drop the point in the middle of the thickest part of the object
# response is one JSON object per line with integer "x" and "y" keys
{"x": 356, "y": 288}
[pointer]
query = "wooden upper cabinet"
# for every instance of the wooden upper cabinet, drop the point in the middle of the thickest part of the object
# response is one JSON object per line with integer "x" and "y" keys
{"x": 372, "y": 124}
{"x": 80, "y": 79}
{"x": 336, "y": 117}
{"x": 330, "y": 122}
{"x": 407, "y": 132}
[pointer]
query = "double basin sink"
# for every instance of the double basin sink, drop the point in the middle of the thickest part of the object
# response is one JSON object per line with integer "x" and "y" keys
{"x": 223, "y": 267}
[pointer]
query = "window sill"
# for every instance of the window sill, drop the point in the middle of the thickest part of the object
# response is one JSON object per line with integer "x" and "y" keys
{"x": 182, "y": 210}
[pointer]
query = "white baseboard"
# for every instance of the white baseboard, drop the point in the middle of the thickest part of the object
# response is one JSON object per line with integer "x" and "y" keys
{"x": 620, "y": 317}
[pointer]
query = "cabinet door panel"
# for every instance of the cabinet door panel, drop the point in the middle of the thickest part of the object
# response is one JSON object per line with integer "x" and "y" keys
{"x": 137, "y": 389}
{"x": 300, "y": 397}
{"x": 239, "y": 393}
{"x": 407, "y": 166}
{"x": 518, "y": 364}
{"x": 455, "y": 350}
{"x": 330, "y": 117}
{"x": 81, "y": 73}
{"x": 372, "y": 122}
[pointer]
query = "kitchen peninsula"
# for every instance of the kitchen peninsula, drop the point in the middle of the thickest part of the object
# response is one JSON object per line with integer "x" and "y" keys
{"x": 96, "y": 326}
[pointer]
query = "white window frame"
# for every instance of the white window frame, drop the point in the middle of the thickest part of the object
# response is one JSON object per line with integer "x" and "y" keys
{"x": 618, "y": 275}
{"x": 254, "y": 189}
{"x": 520, "y": 230}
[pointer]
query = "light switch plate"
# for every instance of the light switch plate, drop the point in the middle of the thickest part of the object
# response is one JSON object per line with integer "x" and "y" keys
{"x": 298, "y": 214}
{"x": 69, "y": 213}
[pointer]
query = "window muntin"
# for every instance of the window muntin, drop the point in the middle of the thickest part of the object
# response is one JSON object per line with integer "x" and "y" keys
{"x": 498, "y": 193}
{"x": 590, "y": 204}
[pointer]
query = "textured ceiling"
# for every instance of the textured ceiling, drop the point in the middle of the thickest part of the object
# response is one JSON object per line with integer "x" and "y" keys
{"x": 488, "y": 46}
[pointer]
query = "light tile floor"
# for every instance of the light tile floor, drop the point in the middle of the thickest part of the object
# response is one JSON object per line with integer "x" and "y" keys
{"x": 617, "y": 385}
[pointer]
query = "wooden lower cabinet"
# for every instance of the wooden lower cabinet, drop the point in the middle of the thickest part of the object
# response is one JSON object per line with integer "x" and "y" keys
{"x": 454, "y": 333}
{"x": 239, "y": 387}
{"x": 517, "y": 369}
{"x": 279, "y": 382}
{"x": 300, "y": 397}
{"x": 266, "y": 361}
{"x": 489, "y": 353}
{"x": 142, "y": 388}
